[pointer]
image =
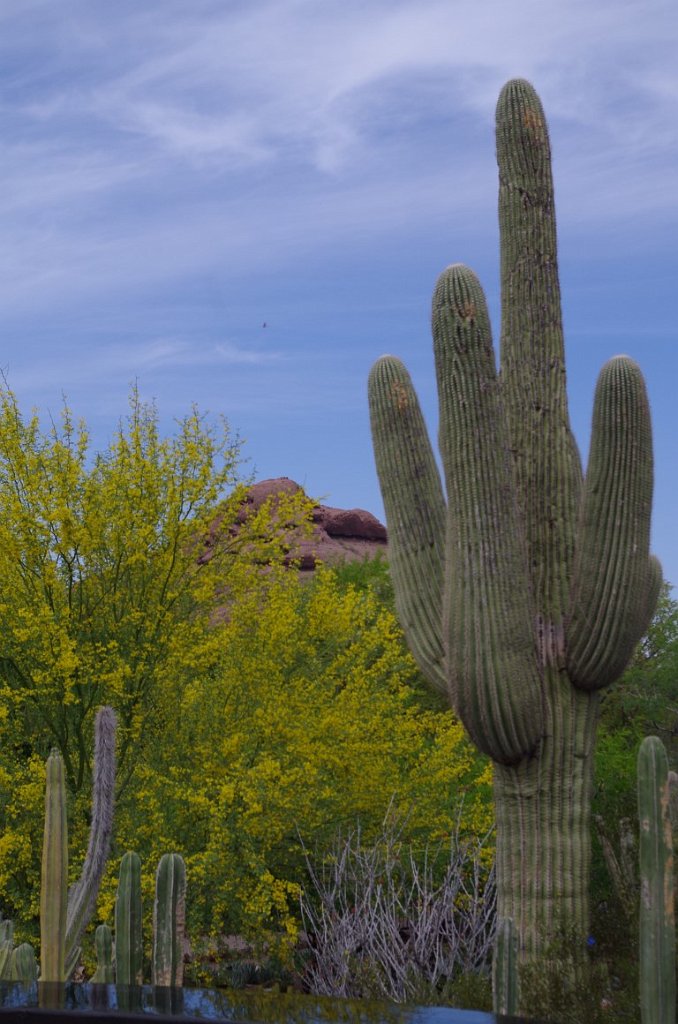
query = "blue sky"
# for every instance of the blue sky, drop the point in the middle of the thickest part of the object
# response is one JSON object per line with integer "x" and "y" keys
{"x": 176, "y": 174}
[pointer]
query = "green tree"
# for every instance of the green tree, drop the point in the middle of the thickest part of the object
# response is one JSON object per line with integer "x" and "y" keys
{"x": 373, "y": 575}
{"x": 645, "y": 702}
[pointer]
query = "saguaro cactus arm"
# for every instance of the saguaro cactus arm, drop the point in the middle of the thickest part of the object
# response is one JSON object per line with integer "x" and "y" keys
{"x": 487, "y": 616}
{"x": 546, "y": 462}
{"x": 614, "y": 585}
{"x": 415, "y": 512}
{"x": 486, "y": 622}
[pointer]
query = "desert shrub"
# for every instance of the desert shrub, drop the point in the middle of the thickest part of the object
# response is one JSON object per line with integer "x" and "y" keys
{"x": 385, "y": 920}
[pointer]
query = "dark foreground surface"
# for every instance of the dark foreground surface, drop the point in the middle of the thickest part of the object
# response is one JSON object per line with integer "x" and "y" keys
{"x": 117, "y": 1004}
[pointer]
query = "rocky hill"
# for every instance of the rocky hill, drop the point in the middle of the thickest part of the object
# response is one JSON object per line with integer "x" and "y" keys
{"x": 338, "y": 534}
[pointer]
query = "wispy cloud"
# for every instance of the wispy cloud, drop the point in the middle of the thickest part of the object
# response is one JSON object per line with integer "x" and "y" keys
{"x": 176, "y": 134}
{"x": 124, "y": 362}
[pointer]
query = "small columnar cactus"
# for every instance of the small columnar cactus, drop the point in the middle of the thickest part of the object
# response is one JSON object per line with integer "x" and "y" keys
{"x": 103, "y": 944}
{"x": 23, "y": 966}
{"x": 6, "y": 946}
{"x": 169, "y": 921}
{"x": 16, "y": 964}
{"x": 505, "y": 968}
{"x": 59, "y": 938}
{"x": 657, "y": 923}
{"x": 169, "y": 918}
{"x": 54, "y": 879}
{"x": 522, "y": 586}
{"x": 128, "y": 922}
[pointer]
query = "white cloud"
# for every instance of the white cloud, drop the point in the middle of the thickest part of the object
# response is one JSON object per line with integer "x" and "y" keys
{"x": 121, "y": 363}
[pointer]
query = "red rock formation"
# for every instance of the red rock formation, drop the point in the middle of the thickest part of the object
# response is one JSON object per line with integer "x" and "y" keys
{"x": 338, "y": 534}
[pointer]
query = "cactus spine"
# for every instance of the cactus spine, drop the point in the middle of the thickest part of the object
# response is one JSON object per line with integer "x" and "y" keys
{"x": 522, "y": 592}
{"x": 54, "y": 880}
{"x": 169, "y": 919}
{"x": 657, "y": 924}
{"x": 128, "y": 938}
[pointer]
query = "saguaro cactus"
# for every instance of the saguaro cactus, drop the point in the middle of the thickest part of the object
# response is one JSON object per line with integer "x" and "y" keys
{"x": 524, "y": 593}
{"x": 657, "y": 919}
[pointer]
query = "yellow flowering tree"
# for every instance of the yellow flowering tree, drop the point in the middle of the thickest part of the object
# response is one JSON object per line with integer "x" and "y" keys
{"x": 301, "y": 719}
{"x": 112, "y": 569}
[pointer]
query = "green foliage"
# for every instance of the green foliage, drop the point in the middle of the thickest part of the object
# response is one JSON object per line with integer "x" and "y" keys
{"x": 371, "y": 574}
{"x": 255, "y": 713}
{"x": 645, "y": 701}
{"x": 99, "y": 556}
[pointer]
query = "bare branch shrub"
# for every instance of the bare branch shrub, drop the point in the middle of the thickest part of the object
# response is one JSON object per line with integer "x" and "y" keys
{"x": 383, "y": 922}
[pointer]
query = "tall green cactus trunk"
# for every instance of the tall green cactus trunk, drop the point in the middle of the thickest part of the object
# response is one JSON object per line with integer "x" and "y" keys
{"x": 544, "y": 825}
{"x": 128, "y": 922}
{"x": 657, "y": 918}
{"x": 54, "y": 881}
{"x": 524, "y": 591}
{"x": 169, "y": 921}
